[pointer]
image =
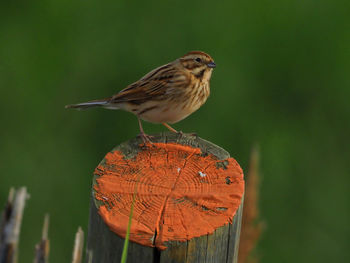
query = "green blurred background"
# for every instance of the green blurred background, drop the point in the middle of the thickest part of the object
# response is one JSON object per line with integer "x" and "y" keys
{"x": 282, "y": 81}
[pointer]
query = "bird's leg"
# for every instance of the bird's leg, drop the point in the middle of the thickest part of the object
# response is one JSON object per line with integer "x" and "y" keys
{"x": 171, "y": 128}
{"x": 146, "y": 138}
{"x": 178, "y": 132}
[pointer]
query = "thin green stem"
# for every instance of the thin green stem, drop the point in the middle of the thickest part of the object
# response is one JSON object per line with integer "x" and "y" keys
{"x": 126, "y": 242}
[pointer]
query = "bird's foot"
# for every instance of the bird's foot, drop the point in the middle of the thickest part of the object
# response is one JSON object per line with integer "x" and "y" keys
{"x": 145, "y": 138}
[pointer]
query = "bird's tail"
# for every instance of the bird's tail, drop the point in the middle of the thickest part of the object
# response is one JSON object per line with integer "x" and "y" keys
{"x": 88, "y": 104}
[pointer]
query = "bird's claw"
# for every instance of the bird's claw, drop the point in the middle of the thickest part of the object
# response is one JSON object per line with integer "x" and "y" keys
{"x": 145, "y": 138}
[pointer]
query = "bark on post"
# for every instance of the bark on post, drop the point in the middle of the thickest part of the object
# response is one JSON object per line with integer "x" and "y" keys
{"x": 188, "y": 202}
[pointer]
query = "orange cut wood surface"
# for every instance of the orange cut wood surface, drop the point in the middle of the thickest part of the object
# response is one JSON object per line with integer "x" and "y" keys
{"x": 180, "y": 193}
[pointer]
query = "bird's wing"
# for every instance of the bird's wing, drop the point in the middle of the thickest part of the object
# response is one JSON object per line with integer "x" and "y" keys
{"x": 153, "y": 86}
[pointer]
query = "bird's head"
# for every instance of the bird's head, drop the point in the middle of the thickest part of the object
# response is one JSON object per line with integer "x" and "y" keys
{"x": 198, "y": 63}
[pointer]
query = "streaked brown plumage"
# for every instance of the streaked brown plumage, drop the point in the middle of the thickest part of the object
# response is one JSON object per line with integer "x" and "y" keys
{"x": 167, "y": 94}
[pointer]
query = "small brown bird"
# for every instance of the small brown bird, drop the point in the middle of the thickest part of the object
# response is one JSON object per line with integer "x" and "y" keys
{"x": 167, "y": 94}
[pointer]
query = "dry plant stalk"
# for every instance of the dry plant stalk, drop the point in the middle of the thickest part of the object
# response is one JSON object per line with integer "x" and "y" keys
{"x": 78, "y": 246}
{"x": 42, "y": 249}
{"x": 251, "y": 226}
{"x": 6, "y": 213}
{"x": 10, "y": 225}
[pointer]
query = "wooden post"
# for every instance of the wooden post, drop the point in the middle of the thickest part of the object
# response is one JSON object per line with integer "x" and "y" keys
{"x": 187, "y": 195}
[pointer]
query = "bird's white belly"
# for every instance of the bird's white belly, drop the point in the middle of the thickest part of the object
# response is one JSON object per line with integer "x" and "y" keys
{"x": 166, "y": 114}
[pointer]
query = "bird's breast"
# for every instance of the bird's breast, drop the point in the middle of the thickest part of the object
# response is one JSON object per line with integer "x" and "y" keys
{"x": 175, "y": 109}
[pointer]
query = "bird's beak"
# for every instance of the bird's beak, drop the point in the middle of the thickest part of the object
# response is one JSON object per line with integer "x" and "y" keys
{"x": 211, "y": 64}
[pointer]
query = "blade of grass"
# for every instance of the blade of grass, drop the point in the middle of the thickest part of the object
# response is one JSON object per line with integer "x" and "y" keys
{"x": 126, "y": 242}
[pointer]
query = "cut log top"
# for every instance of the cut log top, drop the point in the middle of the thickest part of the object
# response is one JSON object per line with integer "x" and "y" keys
{"x": 183, "y": 187}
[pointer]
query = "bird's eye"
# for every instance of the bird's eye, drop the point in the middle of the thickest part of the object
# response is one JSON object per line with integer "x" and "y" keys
{"x": 198, "y": 60}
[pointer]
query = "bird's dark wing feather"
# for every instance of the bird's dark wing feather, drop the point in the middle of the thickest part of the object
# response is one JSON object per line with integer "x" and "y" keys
{"x": 153, "y": 86}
